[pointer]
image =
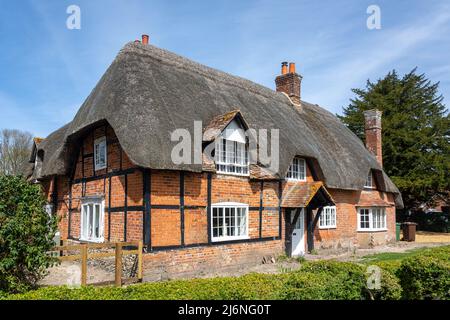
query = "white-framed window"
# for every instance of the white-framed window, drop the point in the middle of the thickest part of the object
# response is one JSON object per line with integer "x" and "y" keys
{"x": 229, "y": 221}
{"x": 369, "y": 181}
{"x": 92, "y": 217}
{"x": 327, "y": 219}
{"x": 372, "y": 219}
{"x": 231, "y": 157}
{"x": 100, "y": 153}
{"x": 297, "y": 170}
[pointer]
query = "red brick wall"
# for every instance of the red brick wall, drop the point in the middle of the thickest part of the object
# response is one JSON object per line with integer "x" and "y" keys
{"x": 345, "y": 234}
{"x": 207, "y": 260}
{"x": 166, "y": 223}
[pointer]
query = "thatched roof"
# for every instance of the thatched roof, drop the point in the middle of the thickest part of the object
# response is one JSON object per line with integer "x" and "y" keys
{"x": 148, "y": 92}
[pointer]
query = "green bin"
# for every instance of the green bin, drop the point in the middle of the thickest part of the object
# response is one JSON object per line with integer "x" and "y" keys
{"x": 397, "y": 231}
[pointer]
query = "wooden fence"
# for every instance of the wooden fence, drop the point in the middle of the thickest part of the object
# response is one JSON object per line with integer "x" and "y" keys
{"x": 118, "y": 253}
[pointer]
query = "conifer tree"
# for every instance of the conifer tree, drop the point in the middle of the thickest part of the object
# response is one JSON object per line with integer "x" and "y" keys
{"x": 416, "y": 133}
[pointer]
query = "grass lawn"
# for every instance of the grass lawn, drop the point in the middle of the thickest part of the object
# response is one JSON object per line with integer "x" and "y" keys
{"x": 393, "y": 256}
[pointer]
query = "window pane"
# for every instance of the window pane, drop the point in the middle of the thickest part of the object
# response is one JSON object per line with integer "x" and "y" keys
{"x": 229, "y": 222}
{"x": 97, "y": 221}
{"x": 85, "y": 221}
{"x": 90, "y": 222}
{"x": 301, "y": 169}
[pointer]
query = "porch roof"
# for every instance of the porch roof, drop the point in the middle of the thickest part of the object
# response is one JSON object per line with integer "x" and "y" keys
{"x": 305, "y": 194}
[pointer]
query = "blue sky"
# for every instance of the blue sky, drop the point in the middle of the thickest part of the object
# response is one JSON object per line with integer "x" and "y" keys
{"x": 47, "y": 70}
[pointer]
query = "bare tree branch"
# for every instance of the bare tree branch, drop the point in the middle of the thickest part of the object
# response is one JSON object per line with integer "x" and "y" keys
{"x": 15, "y": 148}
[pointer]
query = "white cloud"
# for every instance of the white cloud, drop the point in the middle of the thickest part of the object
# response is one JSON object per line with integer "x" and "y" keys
{"x": 386, "y": 51}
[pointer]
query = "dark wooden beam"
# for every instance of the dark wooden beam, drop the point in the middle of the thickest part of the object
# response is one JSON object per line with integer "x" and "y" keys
{"x": 55, "y": 194}
{"x": 109, "y": 209}
{"x": 261, "y": 191}
{"x": 147, "y": 175}
{"x": 125, "y": 212}
{"x": 312, "y": 223}
{"x": 107, "y": 175}
{"x": 209, "y": 209}
{"x": 182, "y": 207}
{"x": 69, "y": 218}
{"x": 280, "y": 196}
{"x": 310, "y": 230}
{"x": 82, "y": 159}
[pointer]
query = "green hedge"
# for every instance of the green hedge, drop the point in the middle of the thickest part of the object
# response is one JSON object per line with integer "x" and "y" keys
{"x": 424, "y": 276}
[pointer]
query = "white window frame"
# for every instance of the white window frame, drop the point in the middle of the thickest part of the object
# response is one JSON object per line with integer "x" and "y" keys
{"x": 327, "y": 219}
{"x": 228, "y": 160}
{"x": 100, "y": 143}
{"x": 369, "y": 181}
{"x": 225, "y": 205}
{"x": 378, "y": 224}
{"x": 90, "y": 204}
{"x": 294, "y": 172}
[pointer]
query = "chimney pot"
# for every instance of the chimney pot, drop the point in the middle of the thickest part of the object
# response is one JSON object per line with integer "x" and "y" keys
{"x": 145, "y": 39}
{"x": 289, "y": 83}
{"x": 292, "y": 67}
{"x": 284, "y": 67}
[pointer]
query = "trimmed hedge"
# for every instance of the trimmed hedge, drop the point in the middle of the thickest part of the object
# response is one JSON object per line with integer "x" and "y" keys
{"x": 424, "y": 276}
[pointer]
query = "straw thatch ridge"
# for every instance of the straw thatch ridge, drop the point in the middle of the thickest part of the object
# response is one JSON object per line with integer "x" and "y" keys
{"x": 148, "y": 92}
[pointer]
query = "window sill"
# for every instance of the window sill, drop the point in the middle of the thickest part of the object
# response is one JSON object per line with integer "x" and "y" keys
{"x": 233, "y": 174}
{"x": 326, "y": 228}
{"x": 100, "y": 168}
{"x": 100, "y": 240}
{"x": 226, "y": 239}
{"x": 295, "y": 180}
{"x": 371, "y": 230}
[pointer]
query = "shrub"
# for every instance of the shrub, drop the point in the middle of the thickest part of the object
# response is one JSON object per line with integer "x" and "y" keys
{"x": 305, "y": 286}
{"x": 26, "y": 233}
{"x": 390, "y": 287}
{"x": 425, "y": 277}
{"x": 345, "y": 280}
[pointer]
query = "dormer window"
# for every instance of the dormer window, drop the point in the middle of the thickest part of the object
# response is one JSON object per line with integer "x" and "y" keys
{"x": 297, "y": 170}
{"x": 100, "y": 153}
{"x": 231, "y": 153}
{"x": 369, "y": 181}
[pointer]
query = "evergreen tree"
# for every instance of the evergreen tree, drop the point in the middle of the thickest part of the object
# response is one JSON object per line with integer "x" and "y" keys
{"x": 416, "y": 133}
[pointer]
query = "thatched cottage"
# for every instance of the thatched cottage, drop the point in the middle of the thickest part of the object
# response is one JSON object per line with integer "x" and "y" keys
{"x": 110, "y": 173}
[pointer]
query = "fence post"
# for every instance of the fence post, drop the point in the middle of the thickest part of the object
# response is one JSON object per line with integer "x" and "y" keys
{"x": 139, "y": 273}
{"x": 84, "y": 255}
{"x": 118, "y": 278}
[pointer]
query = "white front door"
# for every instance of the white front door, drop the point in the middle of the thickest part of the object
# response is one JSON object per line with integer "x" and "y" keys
{"x": 298, "y": 234}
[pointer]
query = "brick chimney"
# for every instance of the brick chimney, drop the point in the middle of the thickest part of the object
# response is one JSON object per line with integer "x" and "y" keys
{"x": 372, "y": 130}
{"x": 289, "y": 82}
{"x": 145, "y": 39}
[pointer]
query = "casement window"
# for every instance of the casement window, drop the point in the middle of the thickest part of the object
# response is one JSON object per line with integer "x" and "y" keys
{"x": 369, "y": 181}
{"x": 297, "y": 170}
{"x": 371, "y": 219}
{"x": 229, "y": 221}
{"x": 327, "y": 219}
{"x": 100, "y": 153}
{"x": 231, "y": 157}
{"x": 92, "y": 215}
